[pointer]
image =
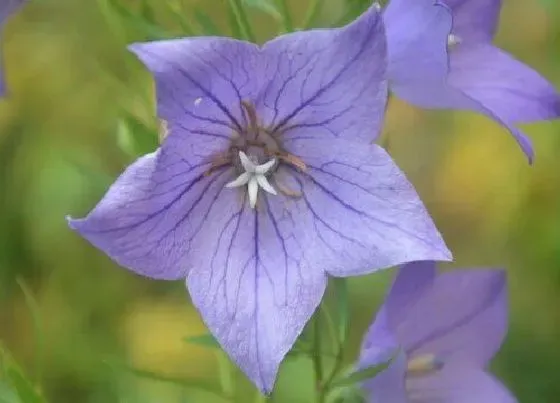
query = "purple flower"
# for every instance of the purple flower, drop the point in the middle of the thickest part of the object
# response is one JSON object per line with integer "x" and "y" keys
{"x": 266, "y": 181}
{"x": 442, "y": 57}
{"x": 7, "y": 8}
{"x": 447, "y": 327}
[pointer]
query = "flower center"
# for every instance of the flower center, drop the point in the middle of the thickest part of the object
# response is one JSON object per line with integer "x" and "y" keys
{"x": 254, "y": 177}
{"x": 256, "y": 153}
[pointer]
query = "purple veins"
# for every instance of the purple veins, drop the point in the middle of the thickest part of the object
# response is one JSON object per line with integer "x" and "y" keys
{"x": 449, "y": 43}
{"x": 445, "y": 329}
{"x": 266, "y": 182}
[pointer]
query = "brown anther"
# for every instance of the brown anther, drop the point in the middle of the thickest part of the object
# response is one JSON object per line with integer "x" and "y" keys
{"x": 286, "y": 191}
{"x": 218, "y": 162}
{"x": 293, "y": 160}
{"x": 251, "y": 115}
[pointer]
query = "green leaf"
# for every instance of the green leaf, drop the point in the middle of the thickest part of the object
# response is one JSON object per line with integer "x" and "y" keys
{"x": 205, "y": 340}
{"x": 134, "y": 137}
{"x": 7, "y": 395}
{"x": 23, "y": 386}
{"x": 19, "y": 383}
{"x": 362, "y": 375}
{"x": 266, "y": 6}
{"x": 199, "y": 384}
{"x": 139, "y": 22}
{"x": 33, "y": 307}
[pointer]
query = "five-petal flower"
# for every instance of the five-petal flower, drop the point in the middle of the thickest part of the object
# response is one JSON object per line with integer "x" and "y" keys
{"x": 445, "y": 329}
{"x": 297, "y": 117}
{"x": 7, "y": 8}
{"x": 456, "y": 66}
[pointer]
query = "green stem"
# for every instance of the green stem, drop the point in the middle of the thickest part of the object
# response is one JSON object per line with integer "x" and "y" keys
{"x": 226, "y": 380}
{"x": 242, "y": 20}
{"x": 286, "y": 17}
{"x": 260, "y": 398}
{"x": 331, "y": 328}
{"x": 312, "y": 13}
{"x": 317, "y": 359}
{"x": 33, "y": 307}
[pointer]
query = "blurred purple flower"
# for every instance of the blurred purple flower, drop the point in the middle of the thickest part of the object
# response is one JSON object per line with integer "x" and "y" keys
{"x": 445, "y": 329}
{"x": 7, "y": 8}
{"x": 266, "y": 181}
{"x": 434, "y": 65}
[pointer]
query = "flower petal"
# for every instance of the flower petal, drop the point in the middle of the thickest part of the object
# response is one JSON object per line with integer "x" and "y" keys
{"x": 359, "y": 211}
{"x": 442, "y": 95}
{"x": 7, "y": 8}
{"x": 201, "y": 81}
{"x": 411, "y": 282}
{"x": 327, "y": 83}
{"x": 151, "y": 215}
{"x": 254, "y": 284}
{"x": 510, "y": 89}
{"x": 379, "y": 343}
{"x": 475, "y": 20}
{"x": 389, "y": 385}
{"x": 417, "y": 33}
{"x": 459, "y": 385}
{"x": 461, "y": 318}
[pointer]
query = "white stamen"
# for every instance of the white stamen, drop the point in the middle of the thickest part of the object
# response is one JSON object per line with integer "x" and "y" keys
{"x": 197, "y": 101}
{"x": 453, "y": 40}
{"x": 424, "y": 364}
{"x": 253, "y": 177}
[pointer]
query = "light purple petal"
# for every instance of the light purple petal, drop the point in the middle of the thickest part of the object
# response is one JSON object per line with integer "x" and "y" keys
{"x": 412, "y": 281}
{"x": 7, "y": 8}
{"x": 442, "y": 95}
{"x": 352, "y": 212}
{"x": 151, "y": 215}
{"x": 255, "y": 287}
{"x": 379, "y": 343}
{"x": 510, "y": 89}
{"x": 475, "y": 20}
{"x": 389, "y": 385}
{"x": 417, "y": 32}
{"x": 462, "y": 318}
{"x": 361, "y": 212}
{"x": 327, "y": 83}
{"x": 202, "y": 81}
{"x": 458, "y": 385}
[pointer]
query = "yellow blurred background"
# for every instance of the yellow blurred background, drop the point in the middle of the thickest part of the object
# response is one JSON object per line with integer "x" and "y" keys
{"x": 71, "y": 79}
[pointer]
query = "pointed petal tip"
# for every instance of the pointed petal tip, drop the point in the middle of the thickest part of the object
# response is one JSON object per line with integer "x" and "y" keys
{"x": 73, "y": 223}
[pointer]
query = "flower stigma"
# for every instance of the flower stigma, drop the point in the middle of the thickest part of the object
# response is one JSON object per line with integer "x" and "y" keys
{"x": 254, "y": 177}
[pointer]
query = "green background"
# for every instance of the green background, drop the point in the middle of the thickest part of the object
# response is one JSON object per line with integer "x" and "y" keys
{"x": 71, "y": 83}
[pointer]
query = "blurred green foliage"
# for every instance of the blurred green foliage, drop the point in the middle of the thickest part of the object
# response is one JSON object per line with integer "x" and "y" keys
{"x": 81, "y": 108}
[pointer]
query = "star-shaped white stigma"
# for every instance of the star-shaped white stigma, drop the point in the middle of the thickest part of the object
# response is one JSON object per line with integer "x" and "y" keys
{"x": 253, "y": 177}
